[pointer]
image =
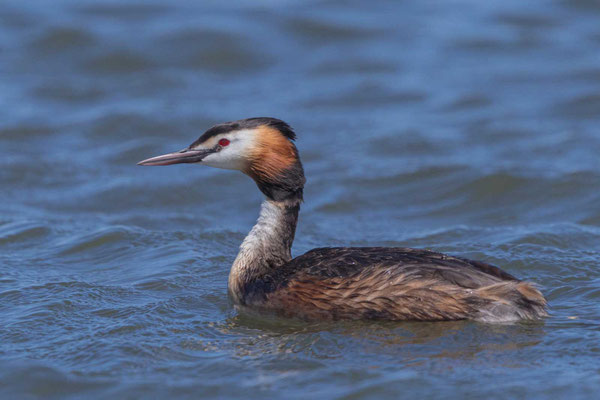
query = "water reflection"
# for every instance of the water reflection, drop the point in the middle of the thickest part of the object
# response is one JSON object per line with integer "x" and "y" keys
{"x": 404, "y": 341}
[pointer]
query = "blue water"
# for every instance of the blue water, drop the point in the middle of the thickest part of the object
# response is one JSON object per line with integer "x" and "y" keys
{"x": 465, "y": 127}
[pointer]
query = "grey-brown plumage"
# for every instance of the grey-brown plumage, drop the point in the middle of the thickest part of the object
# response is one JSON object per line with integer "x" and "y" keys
{"x": 393, "y": 284}
{"x": 345, "y": 282}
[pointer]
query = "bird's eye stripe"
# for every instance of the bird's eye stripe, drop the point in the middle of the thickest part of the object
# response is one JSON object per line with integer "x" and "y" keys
{"x": 224, "y": 142}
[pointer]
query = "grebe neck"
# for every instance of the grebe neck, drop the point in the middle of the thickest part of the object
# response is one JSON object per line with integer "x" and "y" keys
{"x": 267, "y": 246}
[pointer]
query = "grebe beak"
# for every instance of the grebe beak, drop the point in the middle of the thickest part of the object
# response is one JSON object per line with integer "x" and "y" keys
{"x": 179, "y": 157}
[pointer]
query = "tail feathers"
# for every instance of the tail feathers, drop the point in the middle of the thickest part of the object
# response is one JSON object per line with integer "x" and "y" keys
{"x": 511, "y": 301}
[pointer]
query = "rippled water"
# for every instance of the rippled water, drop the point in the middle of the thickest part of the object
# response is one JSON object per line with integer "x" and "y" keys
{"x": 463, "y": 126}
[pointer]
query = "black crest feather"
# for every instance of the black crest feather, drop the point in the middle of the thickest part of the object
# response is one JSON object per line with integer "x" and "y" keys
{"x": 248, "y": 123}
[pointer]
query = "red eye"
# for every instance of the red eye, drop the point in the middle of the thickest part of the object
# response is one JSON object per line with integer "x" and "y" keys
{"x": 224, "y": 142}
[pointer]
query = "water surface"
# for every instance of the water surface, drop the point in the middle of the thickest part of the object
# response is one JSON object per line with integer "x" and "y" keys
{"x": 458, "y": 126}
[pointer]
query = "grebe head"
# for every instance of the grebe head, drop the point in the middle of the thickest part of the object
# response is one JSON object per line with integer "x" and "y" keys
{"x": 262, "y": 148}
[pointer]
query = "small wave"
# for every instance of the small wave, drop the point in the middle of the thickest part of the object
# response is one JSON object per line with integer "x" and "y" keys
{"x": 370, "y": 95}
{"x": 18, "y": 232}
{"x": 36, "y": 379}
{"x": 581, "y": 106}
{"x": 119, "y": 61}
{"x": 107, "y": 237}
{"x": 63, "y": 38}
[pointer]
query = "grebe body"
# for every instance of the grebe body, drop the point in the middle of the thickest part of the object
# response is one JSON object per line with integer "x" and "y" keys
{"x": 345, "y": 282}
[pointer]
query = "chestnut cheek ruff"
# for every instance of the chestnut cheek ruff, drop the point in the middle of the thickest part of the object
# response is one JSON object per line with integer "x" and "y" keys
{"x": 275, "y": 166}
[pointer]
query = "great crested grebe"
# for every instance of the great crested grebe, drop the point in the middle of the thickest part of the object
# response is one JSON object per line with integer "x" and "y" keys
{"x": 343, "y": 282}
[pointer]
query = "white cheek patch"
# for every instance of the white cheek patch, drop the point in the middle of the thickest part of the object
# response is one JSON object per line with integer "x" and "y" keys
{"x": 224, "y": 160}
{"x": 233, "y": 156}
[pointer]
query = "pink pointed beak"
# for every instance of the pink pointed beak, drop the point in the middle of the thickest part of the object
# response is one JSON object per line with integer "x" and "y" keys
{"x": 179, "y": 157}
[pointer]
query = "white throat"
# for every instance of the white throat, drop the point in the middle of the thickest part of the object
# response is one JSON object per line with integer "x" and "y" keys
{"x": 267, "y": 246}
